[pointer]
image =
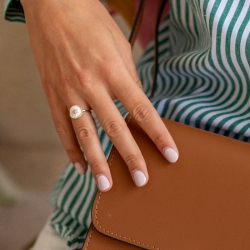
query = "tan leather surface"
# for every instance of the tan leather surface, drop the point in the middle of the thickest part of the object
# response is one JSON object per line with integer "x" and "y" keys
{"x": 200, "y": 202}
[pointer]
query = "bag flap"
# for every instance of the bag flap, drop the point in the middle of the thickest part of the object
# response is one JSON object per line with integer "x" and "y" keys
{"x": 98, "y": 241}
{"x": 200, "y": 202}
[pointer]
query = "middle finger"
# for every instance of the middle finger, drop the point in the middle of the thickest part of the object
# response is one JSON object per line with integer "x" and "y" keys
{"x": 118, "y": 132}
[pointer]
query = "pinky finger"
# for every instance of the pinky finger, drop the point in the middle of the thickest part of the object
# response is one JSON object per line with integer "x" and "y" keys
{"x": 67, "y": 135}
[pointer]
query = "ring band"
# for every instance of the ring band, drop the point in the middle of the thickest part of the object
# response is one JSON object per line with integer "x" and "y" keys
{"x": 76, "y": 111}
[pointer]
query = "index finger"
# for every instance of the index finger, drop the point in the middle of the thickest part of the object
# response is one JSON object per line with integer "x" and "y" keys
{"x": 140, "y": 107}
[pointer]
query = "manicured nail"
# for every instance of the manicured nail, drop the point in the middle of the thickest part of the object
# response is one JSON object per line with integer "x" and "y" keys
{"x": 80, "y": 168}
{"x": 139, "y": 178}
{"x": 171, "y": 155}
{"x": 103, "y": 182}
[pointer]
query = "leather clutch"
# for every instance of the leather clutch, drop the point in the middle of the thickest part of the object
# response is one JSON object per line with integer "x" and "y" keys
{"x": 200, "y": 202}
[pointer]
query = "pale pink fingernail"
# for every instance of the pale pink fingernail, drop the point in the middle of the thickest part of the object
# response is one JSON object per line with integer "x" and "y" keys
{"x": 103, "y": 182}
{"x": 171, "y": 155}
{"x": 139, "y": 178}
{"x": 80, "y": 168}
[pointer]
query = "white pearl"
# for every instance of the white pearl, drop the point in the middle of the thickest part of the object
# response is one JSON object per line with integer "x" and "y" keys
{"x": 75, "y": 112}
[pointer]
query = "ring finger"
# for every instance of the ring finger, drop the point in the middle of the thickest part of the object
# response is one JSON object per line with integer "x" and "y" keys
{"x": 86, "y": 132}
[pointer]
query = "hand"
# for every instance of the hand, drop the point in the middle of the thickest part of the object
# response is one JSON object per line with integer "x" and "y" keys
{"x": 84, "y": 59}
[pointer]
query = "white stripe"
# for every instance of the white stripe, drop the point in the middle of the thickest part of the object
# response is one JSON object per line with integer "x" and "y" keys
{"x": 65, "y": 230}
{"x": 66, "y": 188}
{"x": 105, "y": 143}
{"x": 83, "y": 193}
{"x": 224, "y": 31}
{"x": 229, "y": 70}
{"x": 209, "y": 11}
{"x": 59, "y": 218}
{"x": 88, "y": 200}
{"x": 212, "y": 88}
{"x": 244, "y": 93}
{"x": 215, "y": 60}
{"x": 244, "y": 48}
{"x": 73, "y": 193}
{"x": 243, "y": 39}
{"x": 243, "y": 124}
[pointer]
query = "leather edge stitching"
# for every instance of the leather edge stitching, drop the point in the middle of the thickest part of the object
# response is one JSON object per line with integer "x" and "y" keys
{"x": 89, "y": 237}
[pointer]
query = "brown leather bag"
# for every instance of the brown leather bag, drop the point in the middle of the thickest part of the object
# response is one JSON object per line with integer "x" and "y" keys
{"x": 200, "y": 202}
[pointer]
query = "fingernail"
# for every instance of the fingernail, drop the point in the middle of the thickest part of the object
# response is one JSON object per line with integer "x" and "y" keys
{"x": 139, "y": 178}
{"x": 80, "y": 168}
{"x": 171, "y": 155}
{"x": 103, "y": 182}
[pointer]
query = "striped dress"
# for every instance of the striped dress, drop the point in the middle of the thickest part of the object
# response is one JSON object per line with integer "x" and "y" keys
{"x": 203, "y": 81}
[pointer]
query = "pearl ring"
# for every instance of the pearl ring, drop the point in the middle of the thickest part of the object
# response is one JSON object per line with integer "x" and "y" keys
{"x": 76, "y": 111}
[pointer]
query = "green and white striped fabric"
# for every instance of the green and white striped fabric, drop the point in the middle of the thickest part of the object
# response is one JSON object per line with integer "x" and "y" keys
{"x": 203, "y": 81}
{"x": 13, "y": 11}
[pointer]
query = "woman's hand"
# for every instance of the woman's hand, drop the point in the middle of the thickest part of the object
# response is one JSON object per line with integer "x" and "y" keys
{"x": 84, "y": 59}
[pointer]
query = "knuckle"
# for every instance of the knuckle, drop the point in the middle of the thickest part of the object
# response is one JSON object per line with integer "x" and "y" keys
{"x": 85, "y": 79}
{"x": 131, "y": 160}
{"x": 83, "y": 75}
{"x": 110, "y": 73}
{"x": 61, "y": 130}
{"x": 71, "y": 151}
{"x": 95, "y": 165}
{"x": 113, "y": 129}
{"x": 141, "y": 113}
{"x": 111, "y": 76}
{"x": 159, "y": 139}
{"x": 84, "y": 134}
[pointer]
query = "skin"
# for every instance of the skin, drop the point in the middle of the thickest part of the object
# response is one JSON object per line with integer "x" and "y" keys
{"x": 84, "y": 59}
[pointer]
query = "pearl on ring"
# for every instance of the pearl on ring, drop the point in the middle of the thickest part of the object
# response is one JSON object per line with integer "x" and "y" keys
{"x": 76, "y": 111}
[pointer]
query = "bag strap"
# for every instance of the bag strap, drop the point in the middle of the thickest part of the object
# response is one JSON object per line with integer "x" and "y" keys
{"x": 134, "y": 33}
{"x": 137, "y": 22}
